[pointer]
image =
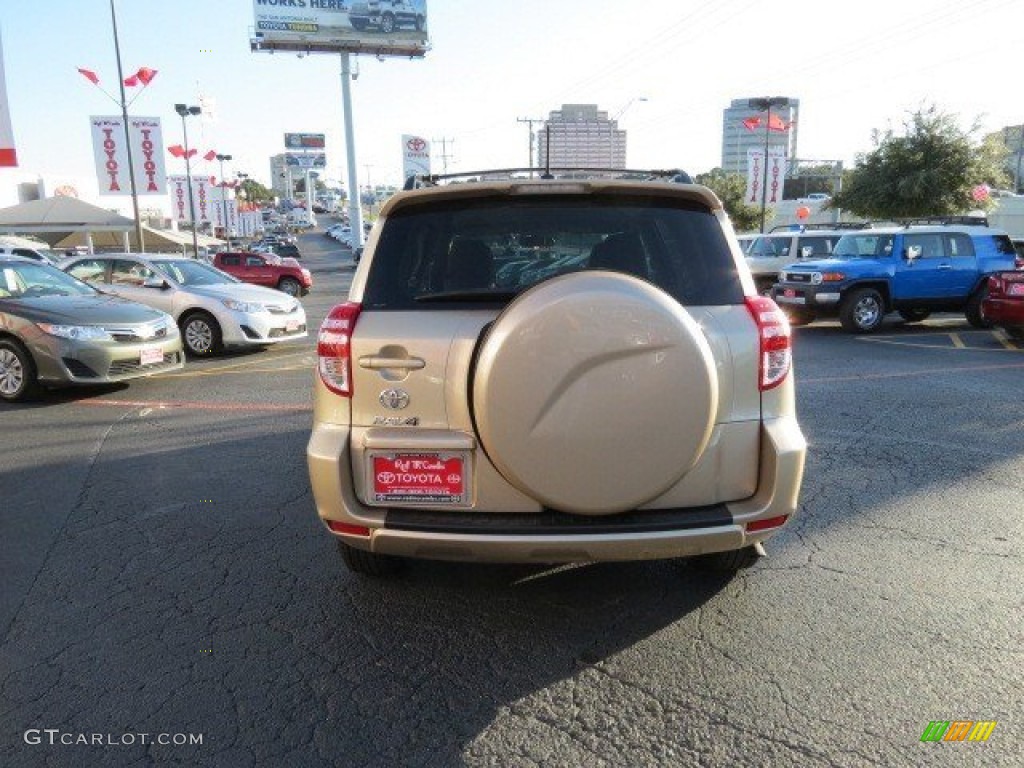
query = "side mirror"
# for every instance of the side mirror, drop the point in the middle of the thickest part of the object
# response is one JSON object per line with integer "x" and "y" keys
{"x": 913, "y": 252}
{"x": 157, "y": 283}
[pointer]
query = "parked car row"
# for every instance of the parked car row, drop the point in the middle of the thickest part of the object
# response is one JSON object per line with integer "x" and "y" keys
{"x": 114, "y": 317}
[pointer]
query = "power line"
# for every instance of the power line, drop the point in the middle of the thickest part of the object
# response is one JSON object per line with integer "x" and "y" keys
{"x": 444, "y": 151}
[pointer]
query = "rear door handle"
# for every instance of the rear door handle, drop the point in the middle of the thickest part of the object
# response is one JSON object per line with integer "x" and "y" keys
{"x": 377, "y": 363}
{"x": 945, "y": 266}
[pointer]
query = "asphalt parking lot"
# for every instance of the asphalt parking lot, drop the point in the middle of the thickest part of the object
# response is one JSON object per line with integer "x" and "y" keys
{"x": 164, "y": 574}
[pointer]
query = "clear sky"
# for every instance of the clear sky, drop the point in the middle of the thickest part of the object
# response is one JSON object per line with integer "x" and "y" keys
{"x": 856, "y": 67}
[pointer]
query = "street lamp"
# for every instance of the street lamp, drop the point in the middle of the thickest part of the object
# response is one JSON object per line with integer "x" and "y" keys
{"x": 185, "y": 111}
{"x": 761, "y": 105}
{"x": 224, "y": 198}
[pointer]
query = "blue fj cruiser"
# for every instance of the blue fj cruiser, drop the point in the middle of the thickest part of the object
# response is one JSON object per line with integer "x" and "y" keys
{"x": 914, "y": 270}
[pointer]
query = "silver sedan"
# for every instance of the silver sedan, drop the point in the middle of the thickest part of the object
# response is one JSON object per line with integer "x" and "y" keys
{"x": 212, "y": 308}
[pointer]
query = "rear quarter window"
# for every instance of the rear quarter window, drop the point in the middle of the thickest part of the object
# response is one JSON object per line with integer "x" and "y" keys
{"x": 484, "y": 252}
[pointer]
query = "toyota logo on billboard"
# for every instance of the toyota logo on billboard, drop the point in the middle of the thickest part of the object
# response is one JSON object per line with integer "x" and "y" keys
{"x": 416, "y": 144}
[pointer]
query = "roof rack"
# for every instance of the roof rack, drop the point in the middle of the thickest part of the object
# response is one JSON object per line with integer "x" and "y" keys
{"x": 432, "y": 180}
{"x": 968, "y": 220}
{"x": 814, "y": 227}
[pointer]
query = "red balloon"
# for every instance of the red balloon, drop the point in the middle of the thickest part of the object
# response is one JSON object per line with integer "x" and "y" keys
{"x": 803, "y": 212}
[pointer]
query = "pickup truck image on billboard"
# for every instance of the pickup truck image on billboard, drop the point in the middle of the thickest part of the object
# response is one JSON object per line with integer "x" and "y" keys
{"x": 388, "y": 15}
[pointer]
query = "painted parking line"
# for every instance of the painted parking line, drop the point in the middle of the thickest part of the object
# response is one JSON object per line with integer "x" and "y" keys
{"x": 194, "y": 405}
{"x": 946, "y": 371}
{"x": 246, "y": 366}
{"x": 974, "y": 341}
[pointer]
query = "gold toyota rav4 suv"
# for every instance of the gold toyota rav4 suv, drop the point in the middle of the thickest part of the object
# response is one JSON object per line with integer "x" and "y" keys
{"x": 554, "y": 370}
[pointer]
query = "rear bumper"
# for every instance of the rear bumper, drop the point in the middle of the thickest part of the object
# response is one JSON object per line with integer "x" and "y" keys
{"x": 630, "y": 536}
{"x": 1003, "y": 311}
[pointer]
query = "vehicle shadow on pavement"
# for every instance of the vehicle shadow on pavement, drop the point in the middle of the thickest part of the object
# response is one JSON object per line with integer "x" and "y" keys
{"x": 169, "y": 584}
{"x": 447, "y": 648}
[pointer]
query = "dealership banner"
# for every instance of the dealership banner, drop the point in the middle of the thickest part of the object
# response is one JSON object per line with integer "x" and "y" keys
{"x": 389, "y": 28}
{"x": 223, "y": 200}
{"x": 756, "y": 176}
{"x": 415, "y": 156}
{"x": 202, "y": 198}
{"x": 111, "y": 155}
{"x": 8, "y": 155}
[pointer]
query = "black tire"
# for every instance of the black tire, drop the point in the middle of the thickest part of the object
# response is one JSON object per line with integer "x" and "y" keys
{"x": 862, "y": 311}
{"x": 914, "y": 315}
{"x": 798, "y": 317}
{"x": 200, "y": 334}
{"x": 290, "y": 285}
{"x": 973, "y": 311}
{"x": 18, "y": 376}
{"x": 387, "y": 24}
{"x": 764, "y": 285}
{"x": 728, "y": 562}
{"x": 358, "y": 24}
{"x": 367, "y": 563}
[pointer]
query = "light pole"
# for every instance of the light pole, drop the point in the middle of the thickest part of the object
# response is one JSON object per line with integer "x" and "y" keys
{"x": 224, "y": 198}
{"x": 127, "y": 136}
{"x": 185, "y": 111}
{"x": 761, "y": 105}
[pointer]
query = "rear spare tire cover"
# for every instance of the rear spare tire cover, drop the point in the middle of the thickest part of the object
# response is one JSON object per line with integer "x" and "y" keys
{"x": 594, "y": 392}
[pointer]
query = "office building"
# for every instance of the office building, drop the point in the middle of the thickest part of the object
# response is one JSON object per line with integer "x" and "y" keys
{"x": 581, "y": 136}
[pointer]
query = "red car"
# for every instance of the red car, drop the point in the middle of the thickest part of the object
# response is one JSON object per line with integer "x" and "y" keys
{"x": 266, "y": 269}
{"x": 1004, "y": 305}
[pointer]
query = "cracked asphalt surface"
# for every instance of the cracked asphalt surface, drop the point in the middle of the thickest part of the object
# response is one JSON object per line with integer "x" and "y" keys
{"x": 164, "y": 573}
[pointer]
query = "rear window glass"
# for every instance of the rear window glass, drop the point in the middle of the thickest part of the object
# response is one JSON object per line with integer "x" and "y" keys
{"x": 487, "y": 251}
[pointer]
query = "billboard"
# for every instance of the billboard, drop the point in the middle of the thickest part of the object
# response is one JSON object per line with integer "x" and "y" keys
{"x": 378, "y": 27}
{"x": 305, "y": 160}
{"x": 304, "y": 141}
{"x": 415, "y": 156}
{"x": 111, "y": 155}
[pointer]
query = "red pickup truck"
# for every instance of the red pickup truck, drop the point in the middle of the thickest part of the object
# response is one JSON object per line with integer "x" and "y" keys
{"x": 267, "y": 269}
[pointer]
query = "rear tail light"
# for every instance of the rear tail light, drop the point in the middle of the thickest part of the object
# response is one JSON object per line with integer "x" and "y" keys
{"x": 334, "y": 348}
{"x": 776, "y": 349}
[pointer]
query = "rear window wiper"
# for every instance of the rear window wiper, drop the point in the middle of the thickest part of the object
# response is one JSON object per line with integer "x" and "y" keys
{"x": 480, "y": 294}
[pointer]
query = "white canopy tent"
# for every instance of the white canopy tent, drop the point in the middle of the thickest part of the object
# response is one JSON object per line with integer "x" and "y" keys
{"x": 67, "y": 222}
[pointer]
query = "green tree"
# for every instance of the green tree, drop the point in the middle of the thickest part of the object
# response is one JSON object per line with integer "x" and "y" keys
{"x": 929, "y": 170}
{"x": 731, "y": 189}
{"x": 256, "y": 192}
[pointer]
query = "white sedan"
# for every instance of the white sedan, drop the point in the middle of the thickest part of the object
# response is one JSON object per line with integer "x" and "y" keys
{"x": 212, "y": 308}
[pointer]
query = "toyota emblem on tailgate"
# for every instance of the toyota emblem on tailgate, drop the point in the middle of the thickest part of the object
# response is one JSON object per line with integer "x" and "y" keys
{"x": 395, "y": 399}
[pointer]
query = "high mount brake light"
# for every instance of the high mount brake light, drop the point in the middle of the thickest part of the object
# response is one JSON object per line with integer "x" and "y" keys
{"x": 775, "y": 341}
{"x": 334, "y": 350}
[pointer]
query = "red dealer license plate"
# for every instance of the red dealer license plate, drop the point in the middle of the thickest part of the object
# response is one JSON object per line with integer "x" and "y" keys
{"x": 424, "y": 478}
{"x": 789, "y": 293}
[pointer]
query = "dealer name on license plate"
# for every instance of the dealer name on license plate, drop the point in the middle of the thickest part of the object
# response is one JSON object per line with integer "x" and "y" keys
{"x": 151, "y": 356}
{"x": 424, "y": 478}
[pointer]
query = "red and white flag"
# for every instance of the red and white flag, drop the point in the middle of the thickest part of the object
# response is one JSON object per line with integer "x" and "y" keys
{"x": 89, "y": 75}
{"x": 8, "y": 155}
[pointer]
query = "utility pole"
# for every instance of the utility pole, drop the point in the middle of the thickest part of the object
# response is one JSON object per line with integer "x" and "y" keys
{"x": 444, "y": 151}
{"x": 530, "y": 121}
